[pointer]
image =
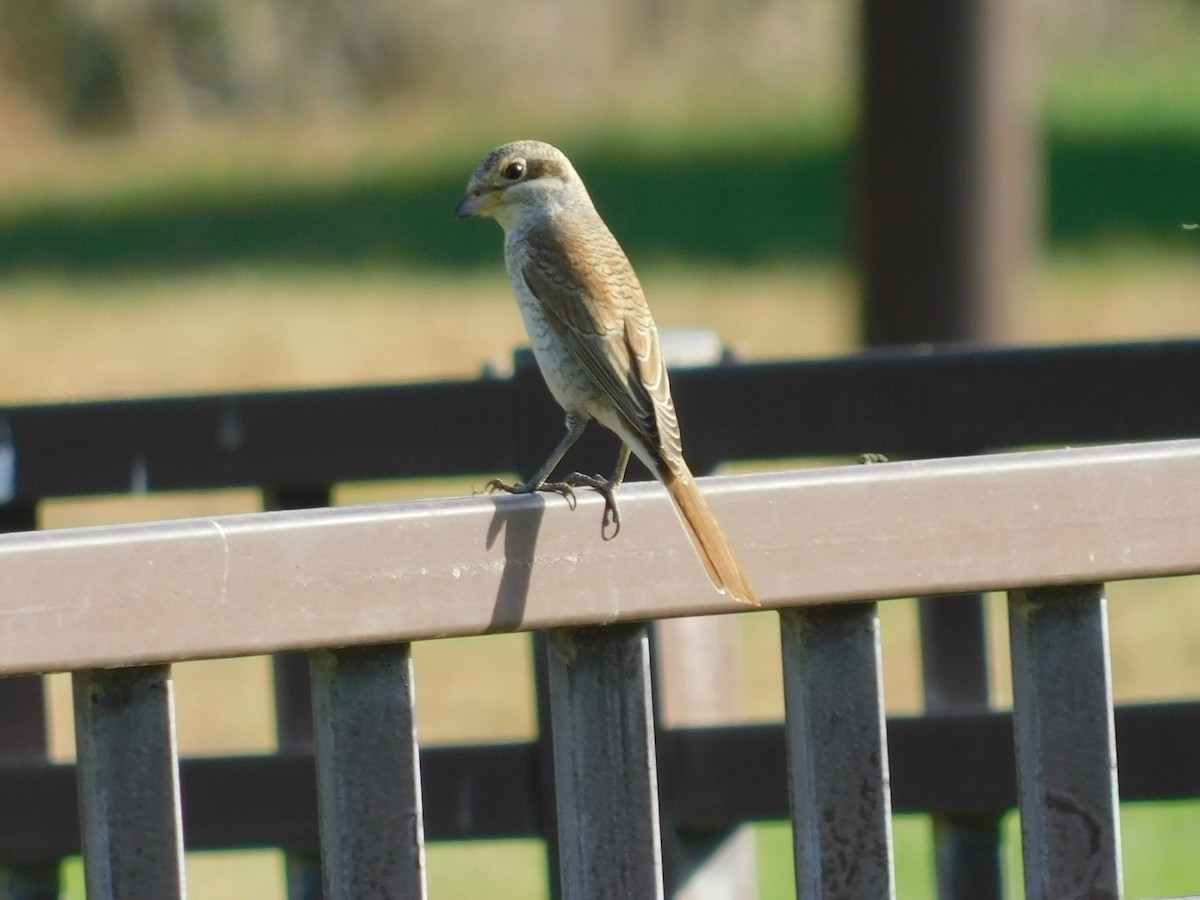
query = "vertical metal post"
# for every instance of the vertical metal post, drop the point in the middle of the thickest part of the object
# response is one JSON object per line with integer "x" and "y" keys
{"x": 294, "y": 734}
{"x": 955, "y": 678}
{"x": 293, "y": 708}
{"x": 837, "y": 752}
{"x": 547, "y": 799}
{"x": 1066, "y": 750}
{"x": 23, "y": 738}
{"x": 368, "y": 774}
{"x": 128, "y": 771}
{"x": 604, "y": 763}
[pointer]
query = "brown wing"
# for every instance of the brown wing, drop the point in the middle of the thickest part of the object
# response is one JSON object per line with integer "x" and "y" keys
{"x": 594, "y": 302}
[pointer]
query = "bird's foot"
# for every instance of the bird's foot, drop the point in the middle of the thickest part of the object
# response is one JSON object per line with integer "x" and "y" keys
{"x": 554, "y": 487}
{"x": 871, "y": 459}
{"x": 607, "y": 489}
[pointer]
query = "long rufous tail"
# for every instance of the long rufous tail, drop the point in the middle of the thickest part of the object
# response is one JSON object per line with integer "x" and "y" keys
{"x": 710, "y": 542}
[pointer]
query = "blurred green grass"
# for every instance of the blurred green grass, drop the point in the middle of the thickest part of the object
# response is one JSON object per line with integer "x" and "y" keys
{"x": 1158, "y": 838}
{"x": 759, "y": 204}
{"x": 1120, "y": 147}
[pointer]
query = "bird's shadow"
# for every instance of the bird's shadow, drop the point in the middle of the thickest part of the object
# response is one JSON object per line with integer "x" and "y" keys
{"x": 520, "y": 519}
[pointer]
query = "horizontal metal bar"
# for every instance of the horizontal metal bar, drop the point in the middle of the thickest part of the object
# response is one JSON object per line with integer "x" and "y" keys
{"x": 276, "y": 439}
{"x": 265, "y": 582}
{"x": 904, "y": 402}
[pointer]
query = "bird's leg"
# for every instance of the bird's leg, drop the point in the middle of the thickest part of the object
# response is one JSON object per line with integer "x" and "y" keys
{"x": 575, "y": 425}
{"x": 607, "y": 489}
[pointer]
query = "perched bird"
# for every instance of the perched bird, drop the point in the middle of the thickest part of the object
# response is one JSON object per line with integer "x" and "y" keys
{"x": 593, "y": 337}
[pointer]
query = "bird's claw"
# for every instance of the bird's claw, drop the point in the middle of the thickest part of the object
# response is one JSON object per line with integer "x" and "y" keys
{"x": 603, "y": 486}
{"x": 497, "y": 484}
{"x": 561, "y": 487}
{"x": 553, "y": 487}
{"x": 608, "y": 490}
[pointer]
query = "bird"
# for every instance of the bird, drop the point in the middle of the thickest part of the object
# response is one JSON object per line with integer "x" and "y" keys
{"x": 593, "y": 337}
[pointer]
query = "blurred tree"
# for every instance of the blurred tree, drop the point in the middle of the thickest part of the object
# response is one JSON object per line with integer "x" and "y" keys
{"x": 68, "y": 70}
{"x": 111, "y": 65}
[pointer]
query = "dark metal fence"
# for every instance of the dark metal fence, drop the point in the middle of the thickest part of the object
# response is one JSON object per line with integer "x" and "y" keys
{"x": 297, "y": 445}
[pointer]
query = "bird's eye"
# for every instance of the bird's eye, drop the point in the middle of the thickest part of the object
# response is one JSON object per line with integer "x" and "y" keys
{"x": 515, "y": 170}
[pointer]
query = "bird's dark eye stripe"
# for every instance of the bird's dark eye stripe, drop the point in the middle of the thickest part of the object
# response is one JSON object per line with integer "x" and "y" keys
{"x": 515, "y": 170}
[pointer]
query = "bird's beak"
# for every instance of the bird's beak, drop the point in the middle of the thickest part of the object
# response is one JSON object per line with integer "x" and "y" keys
{"x": 474, "y": 204}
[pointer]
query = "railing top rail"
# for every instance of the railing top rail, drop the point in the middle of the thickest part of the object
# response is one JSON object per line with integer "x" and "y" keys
{"x": 259, "y": 583}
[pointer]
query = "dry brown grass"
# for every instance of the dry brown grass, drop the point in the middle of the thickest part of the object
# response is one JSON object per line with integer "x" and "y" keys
{"x": 228, "y": 331}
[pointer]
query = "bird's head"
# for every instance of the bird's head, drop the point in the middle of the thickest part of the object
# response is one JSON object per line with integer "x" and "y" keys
{"x": 519, "y": 181}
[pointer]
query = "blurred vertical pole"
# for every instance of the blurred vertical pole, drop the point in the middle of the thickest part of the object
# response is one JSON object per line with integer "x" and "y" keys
{"x": 24, "y": 739}
{"x": 527, "y": 443}
{"x": 948, "y": 204}
{"x": 293, "y": 709}
{"x": 699, "y": 682}
{"x": 698, "y": 667}
{"x": 949, "y": 184}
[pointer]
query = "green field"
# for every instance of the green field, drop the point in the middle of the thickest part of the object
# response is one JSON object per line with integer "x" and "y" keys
{"x": 252, "y": 259}
{"x": 779, "y": 200}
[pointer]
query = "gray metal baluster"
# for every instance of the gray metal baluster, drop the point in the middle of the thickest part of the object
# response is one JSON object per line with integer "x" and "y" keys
{"x": 837, "y": 752}
{"x": 368, "y": 774}
{"x": 604, "y": 763}
{"x": 128, "y": 772}
{"x": 1066, "y": 751}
